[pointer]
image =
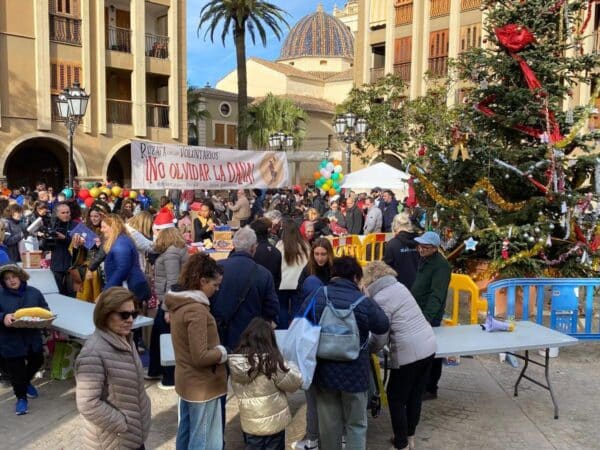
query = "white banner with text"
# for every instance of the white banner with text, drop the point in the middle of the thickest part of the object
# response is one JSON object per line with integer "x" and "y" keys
{"x": 156, "y": 165}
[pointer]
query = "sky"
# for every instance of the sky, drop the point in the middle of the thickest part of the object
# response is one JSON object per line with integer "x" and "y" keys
{"x": 209, "y": 62}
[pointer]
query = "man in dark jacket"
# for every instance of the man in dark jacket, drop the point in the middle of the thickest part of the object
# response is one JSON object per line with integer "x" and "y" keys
{"x": 401, "y": 251}
{"x": 59, "y": 245}
{"x": 247, "y": 291}
{"x": 389, "y": 208}
{"x": 430, "y": 290}
{"x": 354, "y": 217}
{"x": 266, "y": 254}
{"x": 341, "y": 387}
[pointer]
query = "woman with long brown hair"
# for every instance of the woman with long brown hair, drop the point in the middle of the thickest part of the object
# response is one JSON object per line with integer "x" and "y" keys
{"x": 294, "y": 256}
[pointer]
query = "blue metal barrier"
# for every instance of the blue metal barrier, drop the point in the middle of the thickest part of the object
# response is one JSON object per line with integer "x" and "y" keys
{"x": 564, "y": 304}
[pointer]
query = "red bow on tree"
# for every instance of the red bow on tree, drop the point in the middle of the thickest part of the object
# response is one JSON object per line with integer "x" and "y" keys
{"x": 514, "y": 38}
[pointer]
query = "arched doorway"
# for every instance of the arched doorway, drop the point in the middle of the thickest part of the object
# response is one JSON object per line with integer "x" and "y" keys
{"x": 391, "y": 160}
{"x": 119, "y": 167}
{"x": 38, "y": 159}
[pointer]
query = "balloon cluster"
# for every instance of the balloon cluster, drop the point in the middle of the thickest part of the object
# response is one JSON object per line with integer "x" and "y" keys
{"x": 329, "y": 177}
{"x": 92, "y": 191}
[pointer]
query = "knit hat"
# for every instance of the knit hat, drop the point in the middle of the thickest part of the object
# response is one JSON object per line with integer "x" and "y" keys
{"x": 164, "y": 219}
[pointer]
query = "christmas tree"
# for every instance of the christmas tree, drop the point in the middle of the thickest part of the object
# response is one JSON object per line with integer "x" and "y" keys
{"x": 517, "y": 185}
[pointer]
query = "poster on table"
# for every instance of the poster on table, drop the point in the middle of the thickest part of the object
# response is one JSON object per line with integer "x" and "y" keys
{"x": 156, "y": 165}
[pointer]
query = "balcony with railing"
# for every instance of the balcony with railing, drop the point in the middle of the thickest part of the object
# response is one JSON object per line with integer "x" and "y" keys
{"x": 118, "y": 39}
{"x": 439, "y": 8}
{"x": 118, "y": 111}
{"x": 157, "y": 115}
{"x": 438, "y": 67}
{"x": 377, "y": 73}
{"x": 404, "y": 13}
{"x": 157, "y": 46}
{"x": 403, "y": 70}
{"x": 65, "y": 29}
{"x": 466, "y": 5}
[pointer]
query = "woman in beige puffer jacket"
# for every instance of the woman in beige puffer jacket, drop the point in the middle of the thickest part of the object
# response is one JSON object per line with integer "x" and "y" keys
{"x": 110, "y": 390}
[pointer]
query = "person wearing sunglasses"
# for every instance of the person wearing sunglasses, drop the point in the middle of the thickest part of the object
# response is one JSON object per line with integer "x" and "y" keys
{"x": 110, "y": 391}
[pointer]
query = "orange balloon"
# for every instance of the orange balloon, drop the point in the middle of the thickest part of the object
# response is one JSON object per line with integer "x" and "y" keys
{"x": 317, "y": 175}
{"x": 332, "y": 192}
{"x": 336, "y": 162}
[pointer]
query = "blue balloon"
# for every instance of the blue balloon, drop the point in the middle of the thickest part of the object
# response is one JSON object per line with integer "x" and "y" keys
{"x": 323, "y": 164}
{"x": 68, "y": 193}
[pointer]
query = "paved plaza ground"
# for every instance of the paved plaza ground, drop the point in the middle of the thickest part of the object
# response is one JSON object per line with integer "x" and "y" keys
{"x": 475, "y": 410}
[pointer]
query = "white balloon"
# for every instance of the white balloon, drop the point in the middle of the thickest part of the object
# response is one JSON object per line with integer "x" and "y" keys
{"x": 330, "y": 166}
{"x": 338, "y": 169}
{"x": 327, "y": 174}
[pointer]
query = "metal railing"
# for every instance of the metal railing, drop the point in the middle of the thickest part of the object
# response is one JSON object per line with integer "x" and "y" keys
{"x": 403, "y": 70}
{"x": 404, "y": 14}
{"x": 465, "y": 5}
{"x": 377, "y": 73}
{"x": 157, "y": 115}
{"x": 118, "y": 39}
{"x": 439, "y": 8}
{"x": 64, "y": 29}
{"x": 118, "y": 111}
{"x": 157, "y": 46}
{"x": 438, "y": 67}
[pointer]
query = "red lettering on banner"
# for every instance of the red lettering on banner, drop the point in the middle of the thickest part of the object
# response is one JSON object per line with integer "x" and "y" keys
{"x": 154, "y": 170}
{"x": 173, "y": 171}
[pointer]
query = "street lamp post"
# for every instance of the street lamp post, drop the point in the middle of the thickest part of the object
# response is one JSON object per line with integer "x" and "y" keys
{"x": 281, "y": 141}
{"x": 350, "y": 129}
{"x": 72, "y": 104}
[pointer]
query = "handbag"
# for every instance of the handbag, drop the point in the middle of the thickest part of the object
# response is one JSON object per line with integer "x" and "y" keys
{"x": 340, "y": 338}
{"x": 76, "y": 279}
{"x": 300, "y": 342}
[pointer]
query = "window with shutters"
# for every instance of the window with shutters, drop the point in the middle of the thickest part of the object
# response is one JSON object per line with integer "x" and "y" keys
{"x": 404, "y": 12}
{"x": 225, "y": 134}
{"x": 62, "y": 75}
{"x": 402, "y": 57}
{"x": 65, "y": 21}
{"x": 466, "y": 5}
{"x": 439, "y": 8}
{"x": 438, "y": 53}
{"x": 470, "y": 36}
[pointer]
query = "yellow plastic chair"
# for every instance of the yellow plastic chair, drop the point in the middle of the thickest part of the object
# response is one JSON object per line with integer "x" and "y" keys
{"x": 347, "y": 246}
{"x": 372, "y": 248}
{"x": 464, "y": 283}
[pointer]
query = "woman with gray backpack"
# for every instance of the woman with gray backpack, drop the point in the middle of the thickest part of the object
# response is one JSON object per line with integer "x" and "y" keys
{"x": 341, "y": 379}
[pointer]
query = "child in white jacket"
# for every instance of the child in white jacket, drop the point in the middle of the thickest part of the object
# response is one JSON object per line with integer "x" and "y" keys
{"x": 260, "y": 378}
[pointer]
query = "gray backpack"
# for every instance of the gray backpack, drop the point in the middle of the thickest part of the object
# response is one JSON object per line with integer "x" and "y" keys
{"x": 340, "y": 338}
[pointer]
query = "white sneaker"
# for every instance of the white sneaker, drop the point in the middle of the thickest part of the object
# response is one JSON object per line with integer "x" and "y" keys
{"x": 307, "y": 444}
{"x": 164, "y": 387}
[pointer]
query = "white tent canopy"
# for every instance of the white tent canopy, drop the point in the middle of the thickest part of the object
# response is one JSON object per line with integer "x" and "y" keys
{"x": 378, "y": 175}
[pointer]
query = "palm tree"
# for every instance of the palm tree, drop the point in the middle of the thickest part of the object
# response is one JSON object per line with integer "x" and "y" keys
{"x": 274, "y": 114}
{"x": 196, "y": 112}
{"x": 240, "y": 16}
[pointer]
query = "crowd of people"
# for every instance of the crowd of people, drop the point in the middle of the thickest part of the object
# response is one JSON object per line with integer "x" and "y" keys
{"x": 131, "y": 257}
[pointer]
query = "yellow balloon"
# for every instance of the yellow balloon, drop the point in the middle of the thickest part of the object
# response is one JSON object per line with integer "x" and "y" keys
{"x": 132, "y": 194}
{"x": 106, "y": 191}
{"x": 94, "y": 192}
{"x": 116, "y": 191}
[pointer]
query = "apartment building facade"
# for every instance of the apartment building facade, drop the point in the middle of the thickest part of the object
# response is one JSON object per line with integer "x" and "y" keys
{"x": 414, "y": 37}
{"x": 129, "y": 55}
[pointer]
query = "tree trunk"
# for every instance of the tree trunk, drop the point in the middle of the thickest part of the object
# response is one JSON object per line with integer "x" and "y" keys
{"x": 240, "y": 50}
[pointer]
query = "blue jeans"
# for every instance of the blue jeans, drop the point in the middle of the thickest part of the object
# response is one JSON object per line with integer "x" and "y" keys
{"x": 199, "y": 425}
{"x": 288, "y": 307}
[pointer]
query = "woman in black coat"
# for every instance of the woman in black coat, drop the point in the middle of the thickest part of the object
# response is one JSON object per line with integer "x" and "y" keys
{"x": 401, "y": 251}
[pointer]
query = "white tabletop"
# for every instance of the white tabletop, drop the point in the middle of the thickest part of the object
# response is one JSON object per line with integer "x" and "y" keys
{"x": 472, "y": 340}
{"x": 76, "y": 318}
{"x": 167, "y": 353}
{"x": 42, "y": 279}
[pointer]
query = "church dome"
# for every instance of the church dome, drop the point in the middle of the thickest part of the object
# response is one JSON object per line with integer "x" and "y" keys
{"x": 318, "y": 35}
